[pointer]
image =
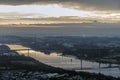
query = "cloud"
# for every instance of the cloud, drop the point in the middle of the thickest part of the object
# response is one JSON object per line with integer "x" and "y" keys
{"x": 23, "y": 2}
{"x": 95, "y": 4}
{"x": 78, "y": 4}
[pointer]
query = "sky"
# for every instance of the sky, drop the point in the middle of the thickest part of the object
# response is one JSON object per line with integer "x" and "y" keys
{"x": 59, "y": 11}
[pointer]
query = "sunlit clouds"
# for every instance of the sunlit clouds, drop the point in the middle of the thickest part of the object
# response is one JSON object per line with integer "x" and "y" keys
{"x": 38, "y": 11}
{"x": 53, "y": 13}
{"x": 54, "y": 10}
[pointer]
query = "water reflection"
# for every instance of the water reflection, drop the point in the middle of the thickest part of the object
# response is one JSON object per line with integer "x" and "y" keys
{"x": 68, "y": 62}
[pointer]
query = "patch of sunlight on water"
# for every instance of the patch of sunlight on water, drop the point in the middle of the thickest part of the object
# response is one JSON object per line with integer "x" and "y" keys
{"x": 67, "y": 62}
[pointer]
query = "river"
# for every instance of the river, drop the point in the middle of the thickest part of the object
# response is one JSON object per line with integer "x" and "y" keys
{"x": 70, "y": 62}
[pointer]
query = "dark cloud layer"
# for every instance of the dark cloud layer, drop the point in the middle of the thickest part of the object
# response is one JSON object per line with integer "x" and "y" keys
{"x": 101, "y": 4}
{"x": 87, "y": 4}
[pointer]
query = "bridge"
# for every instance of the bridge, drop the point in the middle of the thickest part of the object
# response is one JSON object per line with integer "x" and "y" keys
{"x": 81, "y": 60}
{"x": 10, "y": 50}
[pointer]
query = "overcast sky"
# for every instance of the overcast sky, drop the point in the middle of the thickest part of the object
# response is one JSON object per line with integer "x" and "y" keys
{"x": 59, "y": 11}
